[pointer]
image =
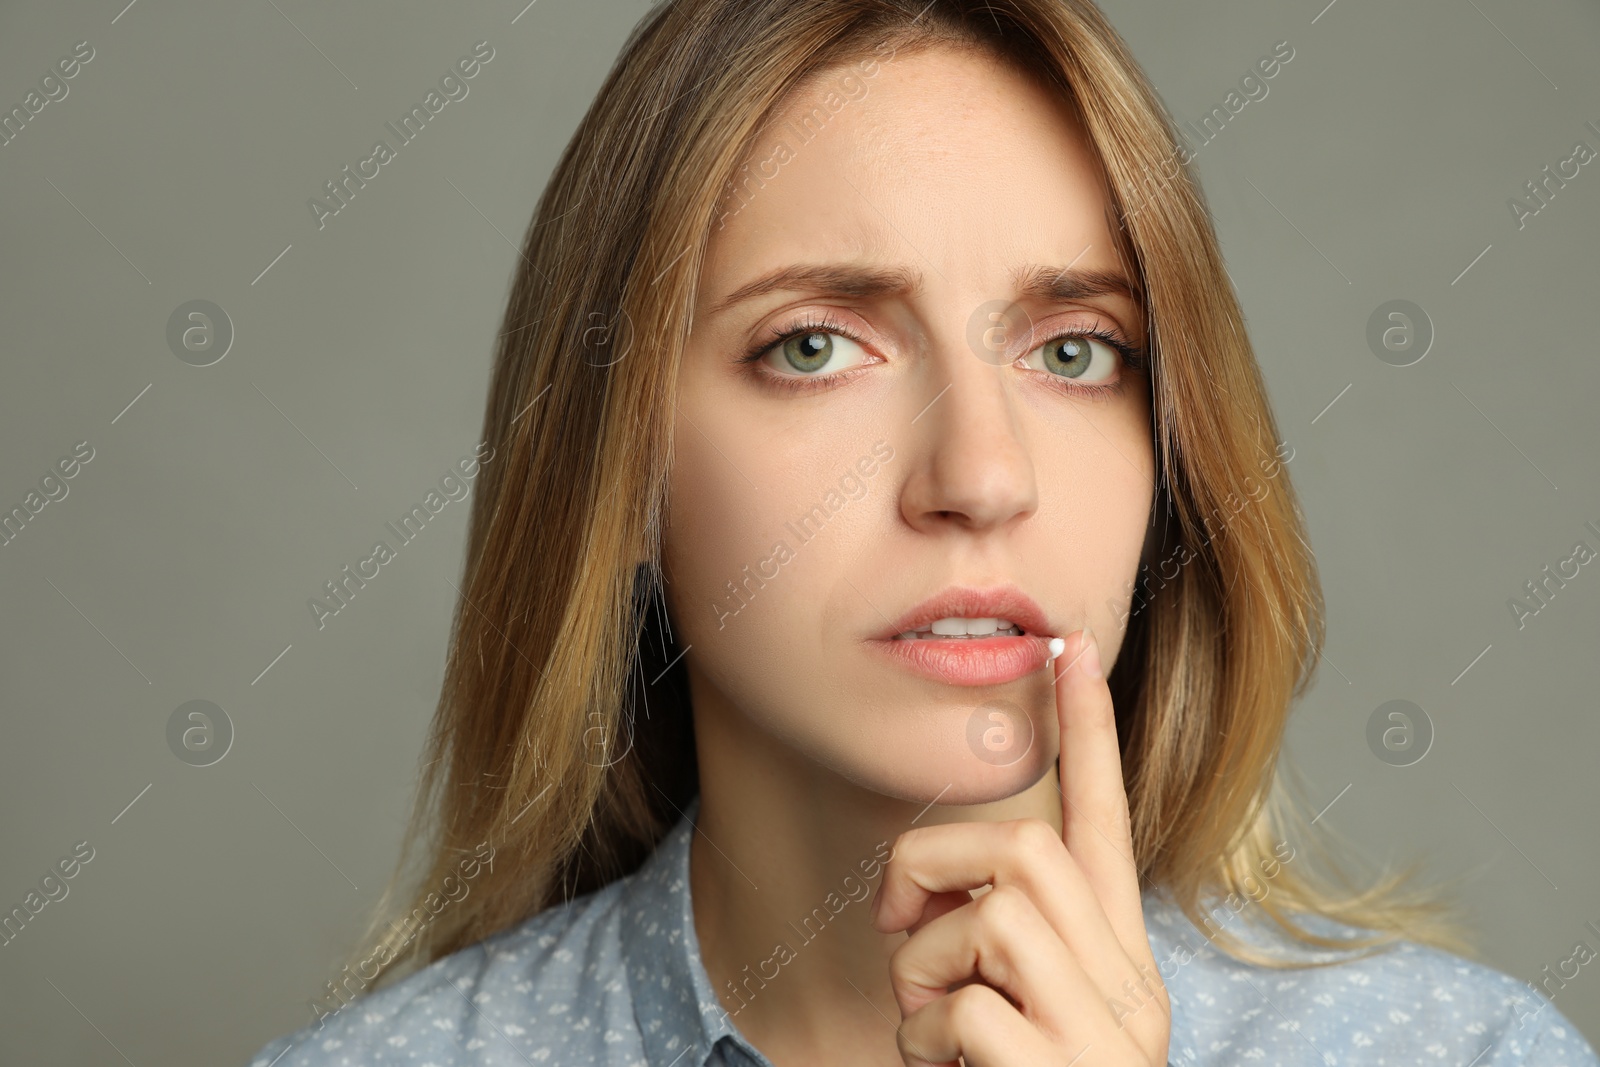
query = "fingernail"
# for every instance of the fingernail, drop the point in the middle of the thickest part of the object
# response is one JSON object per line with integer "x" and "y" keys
{"x": 1089, "y": 661}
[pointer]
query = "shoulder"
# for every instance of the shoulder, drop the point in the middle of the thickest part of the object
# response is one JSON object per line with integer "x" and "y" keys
{"x": 551, "y": 989}
{"x": 1407, "y": 1004}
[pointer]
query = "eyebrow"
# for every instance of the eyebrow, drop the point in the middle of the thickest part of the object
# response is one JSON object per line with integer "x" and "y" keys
{"x": 839, "y": 279}
{"x": 1069, "y": 283}
{"x": 1033, "y": 280}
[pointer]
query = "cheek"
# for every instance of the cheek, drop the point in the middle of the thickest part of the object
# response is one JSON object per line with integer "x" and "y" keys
{"x": 1095, "y": 512}
{"x": 764, "y": 500}
{"x": 757, "y": 553}
{"x": 707, "y": 529}
{"x": 728, "y": 553}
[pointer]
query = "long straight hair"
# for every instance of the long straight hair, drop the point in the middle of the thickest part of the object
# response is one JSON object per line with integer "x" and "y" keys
{"x": 563, "y": 739}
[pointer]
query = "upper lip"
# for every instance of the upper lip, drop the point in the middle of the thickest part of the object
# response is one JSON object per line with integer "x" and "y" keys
{"x": 995, "y": 602}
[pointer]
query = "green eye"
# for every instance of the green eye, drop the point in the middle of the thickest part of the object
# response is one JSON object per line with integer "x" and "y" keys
{"x": 812, "y": 349}
{"x": 1076, "y": 356}
{"x": 808, "y": 352}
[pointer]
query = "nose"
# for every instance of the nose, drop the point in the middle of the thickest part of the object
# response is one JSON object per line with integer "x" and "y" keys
{"x": 972, "y": 470}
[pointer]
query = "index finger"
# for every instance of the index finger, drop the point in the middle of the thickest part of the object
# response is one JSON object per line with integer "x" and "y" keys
{"x": 1094, "y": 800}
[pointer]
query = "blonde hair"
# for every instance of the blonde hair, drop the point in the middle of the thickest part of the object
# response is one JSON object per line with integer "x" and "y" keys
{"x": 563, "y": 740}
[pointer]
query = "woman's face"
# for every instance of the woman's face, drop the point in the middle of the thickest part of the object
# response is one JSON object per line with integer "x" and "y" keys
{"x": 938, "y": 437}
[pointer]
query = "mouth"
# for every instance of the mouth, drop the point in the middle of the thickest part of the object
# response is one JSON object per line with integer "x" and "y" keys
{"x": 970, "y": 637}
{"x": 961, "y": 629}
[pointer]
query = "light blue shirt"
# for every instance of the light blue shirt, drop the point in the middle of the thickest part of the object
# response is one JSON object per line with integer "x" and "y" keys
{"x": 615, "y": 977}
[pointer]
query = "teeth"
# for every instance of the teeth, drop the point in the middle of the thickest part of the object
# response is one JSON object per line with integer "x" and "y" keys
{"x": 962, "y": 628}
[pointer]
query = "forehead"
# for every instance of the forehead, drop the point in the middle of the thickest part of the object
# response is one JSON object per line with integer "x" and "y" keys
{"x": 948, "y": 160}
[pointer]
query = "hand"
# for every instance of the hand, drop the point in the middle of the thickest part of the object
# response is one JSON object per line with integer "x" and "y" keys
{"x": 1052, "y": 966}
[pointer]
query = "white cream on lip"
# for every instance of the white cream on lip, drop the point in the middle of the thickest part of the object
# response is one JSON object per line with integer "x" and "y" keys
{"x": 1058, "y": 645}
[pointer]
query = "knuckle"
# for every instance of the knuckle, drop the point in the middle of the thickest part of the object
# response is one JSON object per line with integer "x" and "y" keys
{"x": 918, "y": 1025}
{"x": 900, "y": 965}
{"x": 906, "y": 845}
{"x": 903, "y": 1043}
{"x": 1034, "y": 837}
{"x": 1001, "y": 906}
{"x": 901, "y": 854}
{"x": 972, "y": 1008}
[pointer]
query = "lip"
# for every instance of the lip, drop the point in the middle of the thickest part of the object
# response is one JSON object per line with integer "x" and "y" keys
{"x": 965, "y": 602}
{"x": 989, "y": 661}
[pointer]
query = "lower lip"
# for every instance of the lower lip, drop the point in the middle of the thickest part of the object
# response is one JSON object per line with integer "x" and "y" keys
{"x": 970, "y": 661}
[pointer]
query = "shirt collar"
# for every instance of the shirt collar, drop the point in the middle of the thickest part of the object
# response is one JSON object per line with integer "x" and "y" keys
{"x": 672, "y": 996}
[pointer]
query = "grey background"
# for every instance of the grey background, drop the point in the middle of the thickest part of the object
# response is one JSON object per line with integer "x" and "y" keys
{"x": 179, "y": 565}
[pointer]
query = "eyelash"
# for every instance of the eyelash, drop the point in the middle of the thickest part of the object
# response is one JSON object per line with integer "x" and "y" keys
{"x": 1133, "y": 359}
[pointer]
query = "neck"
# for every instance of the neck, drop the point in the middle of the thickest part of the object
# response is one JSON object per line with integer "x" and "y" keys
{"x": 782, "y": 869}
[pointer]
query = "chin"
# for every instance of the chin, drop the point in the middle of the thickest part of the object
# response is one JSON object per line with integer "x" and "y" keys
{"x": 920, "y": 772}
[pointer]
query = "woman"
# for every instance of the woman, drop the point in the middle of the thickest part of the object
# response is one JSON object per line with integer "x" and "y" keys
{"x": 889, "y": 506}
